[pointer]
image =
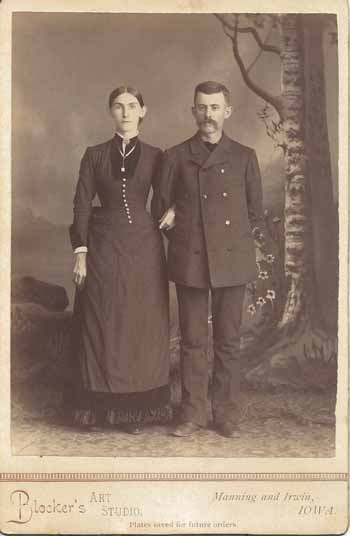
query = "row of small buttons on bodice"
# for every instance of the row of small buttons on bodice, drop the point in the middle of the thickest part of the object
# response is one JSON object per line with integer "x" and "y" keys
{"x": 126, "y": 206}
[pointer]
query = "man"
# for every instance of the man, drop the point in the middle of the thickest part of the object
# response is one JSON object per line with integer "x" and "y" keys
{"x": 215, "y": 187}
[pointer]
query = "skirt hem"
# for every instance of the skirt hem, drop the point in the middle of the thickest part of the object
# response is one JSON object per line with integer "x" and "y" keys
{"x": 92, "y": 417}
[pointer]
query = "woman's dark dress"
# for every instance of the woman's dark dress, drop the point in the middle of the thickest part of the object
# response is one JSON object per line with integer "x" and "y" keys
{"x": 122, "y": 313}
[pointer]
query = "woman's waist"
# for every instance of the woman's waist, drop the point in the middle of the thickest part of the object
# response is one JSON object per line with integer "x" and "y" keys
{"x": 130, "y": 214}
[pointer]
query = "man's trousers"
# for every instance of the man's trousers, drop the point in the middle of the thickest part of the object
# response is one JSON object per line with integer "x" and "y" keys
{"x": 226, "y": 305}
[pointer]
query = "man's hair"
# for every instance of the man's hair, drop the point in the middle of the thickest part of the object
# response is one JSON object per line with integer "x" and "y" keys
{"x": 125, "y": 89}
{"x": 212, "y": 87}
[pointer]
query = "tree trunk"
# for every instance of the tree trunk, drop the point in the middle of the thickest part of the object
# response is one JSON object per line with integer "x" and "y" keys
{"x": 298, "y": 334}
{"x": 298, "y": 244}
{"x": 299, "y": 331}
{"x": 324, "y": 213}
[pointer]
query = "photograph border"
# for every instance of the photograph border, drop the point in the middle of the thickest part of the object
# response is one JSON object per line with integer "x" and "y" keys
{"x": 33, "y": 469}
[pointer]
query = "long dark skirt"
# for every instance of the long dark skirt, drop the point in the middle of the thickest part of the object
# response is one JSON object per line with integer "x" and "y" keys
{"x": 122, "y": 323}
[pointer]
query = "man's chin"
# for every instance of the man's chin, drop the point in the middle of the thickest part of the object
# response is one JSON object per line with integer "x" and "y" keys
{"x": 207, "y": 129}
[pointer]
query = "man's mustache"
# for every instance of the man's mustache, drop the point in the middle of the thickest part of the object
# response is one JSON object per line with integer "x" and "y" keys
{"x": 208, "y": 122}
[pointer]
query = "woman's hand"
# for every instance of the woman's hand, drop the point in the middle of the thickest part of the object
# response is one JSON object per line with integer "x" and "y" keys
{"x": 79, "y": 270}
{"x": 167, "y": 221}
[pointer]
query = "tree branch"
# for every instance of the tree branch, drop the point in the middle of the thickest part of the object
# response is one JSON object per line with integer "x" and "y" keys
{"x": 249, "y": 68}
{"x": 263, "y": 94}
{"x": 251, "y": 65}
{"x": 264, "y": 46}
{"x": 249, "y": 29}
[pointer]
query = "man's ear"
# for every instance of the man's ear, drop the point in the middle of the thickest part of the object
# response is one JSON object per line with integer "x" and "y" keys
{"x": 193, "y": 111}
{"x": 228, "y": 112}
{"x": 143, "y": 111}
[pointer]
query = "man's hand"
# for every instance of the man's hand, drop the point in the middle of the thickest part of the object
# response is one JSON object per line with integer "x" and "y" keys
{"x": 79, "y": 270}
{"x": 167, "y": 221}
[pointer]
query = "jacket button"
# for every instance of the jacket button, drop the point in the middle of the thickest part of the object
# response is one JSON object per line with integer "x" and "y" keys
{"x": 224, "y": 194}
{"x": 222, "y": 170}
{"x": 204, "y": 196}
{"x": 196, "y": 252}
{"x": 227, "y": 222}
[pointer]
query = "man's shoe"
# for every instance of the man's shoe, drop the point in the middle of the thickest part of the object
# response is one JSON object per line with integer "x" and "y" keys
{"x": 228, "y": 429}
{"x": 135, "y": 429}
{"x": 185, "y": 429}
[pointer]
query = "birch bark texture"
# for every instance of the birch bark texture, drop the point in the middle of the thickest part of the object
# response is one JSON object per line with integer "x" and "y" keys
{"x": 297, "y": 212}
{"x": 308, "y": 180}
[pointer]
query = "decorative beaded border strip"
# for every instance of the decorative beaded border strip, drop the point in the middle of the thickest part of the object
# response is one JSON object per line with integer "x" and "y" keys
{"x": 157, "y": 477}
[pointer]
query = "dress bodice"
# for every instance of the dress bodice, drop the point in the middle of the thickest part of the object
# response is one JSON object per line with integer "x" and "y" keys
{"x": 126, "y": 195}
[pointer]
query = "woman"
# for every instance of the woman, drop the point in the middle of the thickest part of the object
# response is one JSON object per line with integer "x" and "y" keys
{"x": 121, "y": 308}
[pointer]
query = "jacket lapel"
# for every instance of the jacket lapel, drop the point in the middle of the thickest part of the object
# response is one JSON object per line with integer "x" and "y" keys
{"x": 199, "y": 154}
{"x": 203, "y": 157}
{"x": 220, "y": 154}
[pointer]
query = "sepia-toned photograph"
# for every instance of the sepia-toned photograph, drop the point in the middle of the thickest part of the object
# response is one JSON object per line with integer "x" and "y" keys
{"x": 174, "y": 265}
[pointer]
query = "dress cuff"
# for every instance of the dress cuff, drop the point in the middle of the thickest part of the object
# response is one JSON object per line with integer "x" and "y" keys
{"x": 81, "y": 249}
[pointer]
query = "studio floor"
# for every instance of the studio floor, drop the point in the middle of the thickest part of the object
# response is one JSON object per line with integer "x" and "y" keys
{"x": 271, "y": 425}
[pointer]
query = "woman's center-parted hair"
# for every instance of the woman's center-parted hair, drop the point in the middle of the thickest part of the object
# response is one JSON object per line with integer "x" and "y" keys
{"x": 125, "y": 89}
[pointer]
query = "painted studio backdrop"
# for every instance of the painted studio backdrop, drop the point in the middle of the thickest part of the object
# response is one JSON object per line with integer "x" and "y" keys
{"x": 282, "y": 71}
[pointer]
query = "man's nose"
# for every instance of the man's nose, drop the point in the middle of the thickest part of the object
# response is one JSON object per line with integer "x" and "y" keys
{"x": 207, "y": 113}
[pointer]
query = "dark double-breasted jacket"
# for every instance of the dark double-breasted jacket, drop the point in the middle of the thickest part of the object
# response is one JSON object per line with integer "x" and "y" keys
{"x": 218, "y": 198}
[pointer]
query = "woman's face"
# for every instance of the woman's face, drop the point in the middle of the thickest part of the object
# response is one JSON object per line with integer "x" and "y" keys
{"x": 127, "y": 112}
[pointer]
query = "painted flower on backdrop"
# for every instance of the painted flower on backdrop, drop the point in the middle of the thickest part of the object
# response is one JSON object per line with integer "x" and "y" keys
{"x": 251, "y": 309}
{"x": 263, "y": 275}
{"x": 271, "y": 294}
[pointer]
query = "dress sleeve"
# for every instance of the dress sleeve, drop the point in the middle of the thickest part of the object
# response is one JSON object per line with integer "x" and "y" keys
{"x": 254, "y": 192}
{"x": 156, "y": 184}
{"x": 82, "y": 203}
{"x": 164, "y": 186}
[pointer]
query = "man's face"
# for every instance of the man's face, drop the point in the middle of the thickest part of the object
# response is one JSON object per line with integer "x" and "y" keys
{"x": 210, "y": 112}
{"x": 127, "y": 112}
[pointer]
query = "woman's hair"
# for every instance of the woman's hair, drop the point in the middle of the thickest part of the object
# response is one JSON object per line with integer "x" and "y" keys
{"x": 125, "y": 89}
